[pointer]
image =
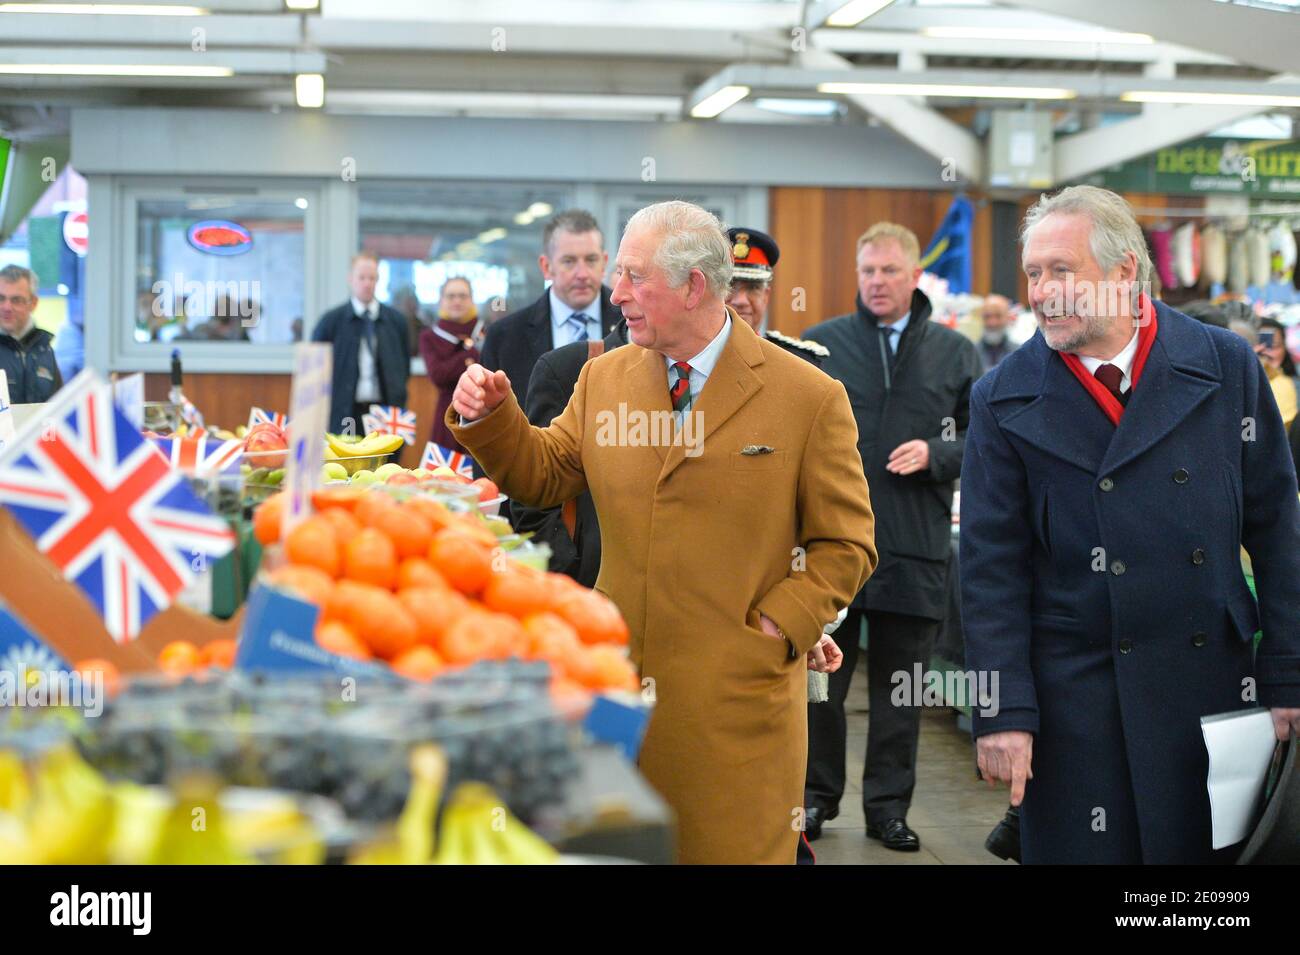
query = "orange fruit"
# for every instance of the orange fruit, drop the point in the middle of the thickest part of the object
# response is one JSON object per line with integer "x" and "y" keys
{"x": 310, "y": 583}
{"x": 179, "y": 657}
{"x": 434, "y": 610}
{"x": 593, "y": 615}
{"x": 434, "y": 511}
{"x": 340, "y": 600}
{"x": 337, "y": 497}
{"x": 219, "y": 653}
{"x": 418, "y": 663}
{"x": 346, "y": 526}
{"x": 371, "y": 506}
{"x": 266, "y": 519}
{"x": 482, "y": 635}
{"x": 409, "y": 530}
{"x": 379, "y": 619}
{"x": 568, "y": 694}
{"x": 550, "y": 638}
{"x": 518, "y": 591}
{"x": 418, "y": 572}
{"x": 465, "y": 563}
{"x": 610, "y": 669}
{"x": 314, "y": 543}
{"x": 371, "y": 558}
{"x": 337, "y": 637}
{"x": 107, "y": 672}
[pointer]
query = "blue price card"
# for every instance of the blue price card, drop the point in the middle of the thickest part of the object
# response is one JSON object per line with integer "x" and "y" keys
{"x": 278, "y": 637}
{"x": 21, "y": 649}
{"x": 621, "y": 724}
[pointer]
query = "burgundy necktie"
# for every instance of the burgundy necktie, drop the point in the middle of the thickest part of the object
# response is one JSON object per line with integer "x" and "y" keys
{"x": 1110, "y": 376}
{"x": 680, "y": 392}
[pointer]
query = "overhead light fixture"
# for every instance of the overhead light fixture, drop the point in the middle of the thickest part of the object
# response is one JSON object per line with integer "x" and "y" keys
{"x": 111, "y": 9}
{"x": 309, "y": 90}
{"x": 301, "y": 202}
{"x": 1035, "y": 36}
{"x": 855, "y": 11}
{"x": 1188, "y": 98}
{"x": 112, "y": 69}
{"x": 492, "y": 235}
{"x": 301, "y": 6}
{"x": 719, "y": 102}
{"x": 539, "y": 209}
{"x": 524, "y": 218}
{"x": 798, "y": 107}
{"x": 959, "y": 92}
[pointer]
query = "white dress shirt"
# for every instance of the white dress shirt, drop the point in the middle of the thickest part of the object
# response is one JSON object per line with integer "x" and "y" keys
{"x": 367, "y": 376}
{"x": 897, "y": 327}
{"x": 703, "y": 363}
{"x": 561, "y": 333}
{"x": 1123, "y": 361}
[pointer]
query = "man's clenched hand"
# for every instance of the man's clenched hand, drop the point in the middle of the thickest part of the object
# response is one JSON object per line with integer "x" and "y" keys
{"x": 479, "y": 391}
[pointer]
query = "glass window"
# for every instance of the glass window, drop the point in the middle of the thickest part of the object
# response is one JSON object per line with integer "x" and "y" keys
{"x": 425, "y": 233}
{"x": 221, "y": 268}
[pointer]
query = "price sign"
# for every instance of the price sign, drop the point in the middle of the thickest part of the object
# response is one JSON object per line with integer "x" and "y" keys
{"x": 309, "y": 416}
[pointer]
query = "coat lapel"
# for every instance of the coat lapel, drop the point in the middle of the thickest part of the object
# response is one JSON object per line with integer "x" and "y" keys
{"x": 539, "y": 327}
{"x": 647, "y": 390}
{"x": 1181, "y": 372}
{"x": 726, "y": 391}
{"x": 1062, "y": 420}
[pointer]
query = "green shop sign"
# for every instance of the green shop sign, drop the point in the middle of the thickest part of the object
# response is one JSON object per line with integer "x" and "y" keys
{"x": 1237, "y": 166}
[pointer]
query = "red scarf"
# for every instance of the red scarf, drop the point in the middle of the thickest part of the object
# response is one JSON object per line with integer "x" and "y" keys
{"x": 1101, "y": 394}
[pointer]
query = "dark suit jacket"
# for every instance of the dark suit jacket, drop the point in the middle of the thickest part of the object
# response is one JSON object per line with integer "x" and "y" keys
{"x": 1101, "y": 581}
{"x": 342, "y": 328}
{"x": 549, "y": 391}
{"x": 514, "y": 343}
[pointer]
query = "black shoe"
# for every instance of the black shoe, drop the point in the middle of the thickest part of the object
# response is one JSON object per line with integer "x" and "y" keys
{"x": 813, "y": 818}
{"x": 894, "y": 834}
{"x": 1004, "y": 840}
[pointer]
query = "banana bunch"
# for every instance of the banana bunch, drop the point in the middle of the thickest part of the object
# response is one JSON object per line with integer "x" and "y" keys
{"x": 372, "y": 445}
{"x": 59, "y": 814}
{"x": 476, "y": 828}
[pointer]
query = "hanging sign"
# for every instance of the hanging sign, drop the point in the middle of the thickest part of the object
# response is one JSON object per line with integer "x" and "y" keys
{"x": 220, "y": 237}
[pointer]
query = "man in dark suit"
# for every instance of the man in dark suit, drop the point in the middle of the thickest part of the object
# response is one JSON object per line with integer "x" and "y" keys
{"x": 576, "y": 308}
{"x": 372, "y": 357}
{"x": 909, "y": 382}
{"x": 571, "y": 530}
{"x": 995, "y": 316}
{"x": 1116, "y": 464}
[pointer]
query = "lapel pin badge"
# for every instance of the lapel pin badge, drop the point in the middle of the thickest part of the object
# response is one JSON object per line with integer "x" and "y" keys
{"x": 752, "y": 449}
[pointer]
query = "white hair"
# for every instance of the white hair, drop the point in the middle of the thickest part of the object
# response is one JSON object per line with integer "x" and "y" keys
{"x": 690, "y": 238}
{"x": 1115, "y": 230}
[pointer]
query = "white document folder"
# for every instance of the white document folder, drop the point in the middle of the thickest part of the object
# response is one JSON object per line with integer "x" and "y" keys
{"x": 1240, "y": 746}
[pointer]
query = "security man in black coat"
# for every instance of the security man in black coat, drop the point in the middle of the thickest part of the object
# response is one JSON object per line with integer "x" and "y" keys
{"x": 909, "y": 382}
{"x": 372, "y": 350}
{"x": 26, "y": 355}
{"x": 576, "y": 308}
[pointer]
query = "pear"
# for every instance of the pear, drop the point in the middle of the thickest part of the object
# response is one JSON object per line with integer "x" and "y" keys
{"x": 364, "y": 478}
{"x": 384, "y": 471}
{"x": 335, "y": 471}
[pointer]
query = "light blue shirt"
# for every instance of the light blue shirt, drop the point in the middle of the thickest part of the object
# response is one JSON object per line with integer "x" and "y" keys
{"x": 898, "y": 328}
{"x": 561, "y": 333}
{"x": 703, "y": 363}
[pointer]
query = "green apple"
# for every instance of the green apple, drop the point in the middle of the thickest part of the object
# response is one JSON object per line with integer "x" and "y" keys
{"x": 444, "y": 474}
{"x": 364, "y": 477}
{"x": 335, "y": 472}
{"x": 384, "y": 470}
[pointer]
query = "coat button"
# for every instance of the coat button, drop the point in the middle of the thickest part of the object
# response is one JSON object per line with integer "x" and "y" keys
{"x": 1106, "y": 484}
{"x": 1199, "y": 638}
{"x": 1117, "y": 567}
{"x": 1198, "y": 557}
{"x": 1181, "y": 476}
{"x": 1126, "y": 646}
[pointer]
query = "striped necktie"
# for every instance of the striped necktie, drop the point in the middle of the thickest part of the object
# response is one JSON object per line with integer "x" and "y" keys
{"x": 577, "y": 325}
{"x": 681, "y": 389}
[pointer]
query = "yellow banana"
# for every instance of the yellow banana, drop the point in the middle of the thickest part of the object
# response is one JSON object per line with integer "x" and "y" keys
{"x": 369, "y": 446}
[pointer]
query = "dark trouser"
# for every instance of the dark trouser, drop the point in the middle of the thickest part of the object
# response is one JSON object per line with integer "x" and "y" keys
{"x": 894, "y": 642}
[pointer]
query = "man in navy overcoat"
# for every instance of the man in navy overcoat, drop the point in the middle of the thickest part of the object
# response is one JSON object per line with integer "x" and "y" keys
{"x": 1115, "y": 466}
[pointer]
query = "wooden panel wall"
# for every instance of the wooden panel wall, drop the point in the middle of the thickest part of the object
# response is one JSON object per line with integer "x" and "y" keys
{"x": 817, "y": 230}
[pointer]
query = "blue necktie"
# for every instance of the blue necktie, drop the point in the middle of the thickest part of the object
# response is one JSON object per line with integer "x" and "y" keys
{"x": 577, "y": 323}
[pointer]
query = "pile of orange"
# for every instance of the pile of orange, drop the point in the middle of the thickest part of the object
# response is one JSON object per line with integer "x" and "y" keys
{"x": 180, "y": 657}
{"x": 426, "y": 590}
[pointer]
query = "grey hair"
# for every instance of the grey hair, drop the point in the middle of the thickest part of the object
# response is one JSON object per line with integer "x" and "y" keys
{"x": 690, "y": 238}
{"x": 16, "y": 273}
{"x": 1115, "y": 230}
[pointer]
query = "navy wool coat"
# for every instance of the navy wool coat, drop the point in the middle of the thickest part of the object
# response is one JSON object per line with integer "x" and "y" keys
{"x": 1101, "y": 579}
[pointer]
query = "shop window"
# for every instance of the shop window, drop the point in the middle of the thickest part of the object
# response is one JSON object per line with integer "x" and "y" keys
{"x": 220, "y": 268}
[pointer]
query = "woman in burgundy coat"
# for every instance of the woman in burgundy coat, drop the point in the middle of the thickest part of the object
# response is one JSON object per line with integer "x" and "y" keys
{"x": 448, "y": 348}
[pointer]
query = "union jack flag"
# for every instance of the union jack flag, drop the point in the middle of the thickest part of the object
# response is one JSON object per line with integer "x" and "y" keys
{"x": 202, "y": 454}
{"x": 258, "y": 416}
{"x": 390, "y": 419}
{"x": 436, "y": 456}
{"x": 103, "y": 505}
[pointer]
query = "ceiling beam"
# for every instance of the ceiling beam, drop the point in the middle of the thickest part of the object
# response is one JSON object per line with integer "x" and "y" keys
{"x": 218, "y": 31}
{"x": 1264, "y": 38}
{"x": 924, "y": 128}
